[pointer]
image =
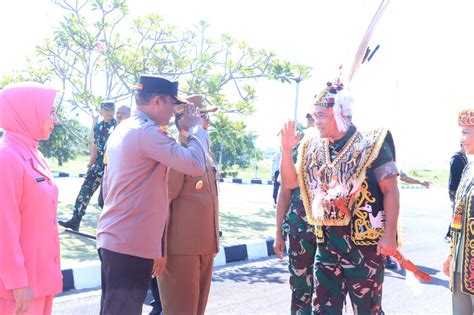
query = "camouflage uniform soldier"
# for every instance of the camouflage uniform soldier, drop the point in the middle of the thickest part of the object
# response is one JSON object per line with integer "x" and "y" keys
{"x": 302, "y": 247}
{"x": 95, "y": 167}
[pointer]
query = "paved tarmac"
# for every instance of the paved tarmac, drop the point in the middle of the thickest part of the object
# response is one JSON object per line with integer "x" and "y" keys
{"x": 261, "y": 287}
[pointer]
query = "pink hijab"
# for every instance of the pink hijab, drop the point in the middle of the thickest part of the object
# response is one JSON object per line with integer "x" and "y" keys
{"x": 24, "y": 109}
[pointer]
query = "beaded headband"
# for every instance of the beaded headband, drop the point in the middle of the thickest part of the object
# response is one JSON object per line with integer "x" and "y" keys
{"x": 326, "y": 97}
{"x": 466, "y": 118}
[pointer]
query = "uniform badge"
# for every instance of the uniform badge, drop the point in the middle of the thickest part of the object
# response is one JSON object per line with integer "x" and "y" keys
{"x": 199, "y": 185}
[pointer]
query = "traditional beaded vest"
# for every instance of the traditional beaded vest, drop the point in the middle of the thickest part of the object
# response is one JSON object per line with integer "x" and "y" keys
{"x": 336, "y": 192}
{"x": 463, "y": 218}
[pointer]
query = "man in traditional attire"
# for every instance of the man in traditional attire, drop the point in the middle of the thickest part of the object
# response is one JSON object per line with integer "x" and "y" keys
{"x": 459, "y": 263}
{"x": 348, "y": 182}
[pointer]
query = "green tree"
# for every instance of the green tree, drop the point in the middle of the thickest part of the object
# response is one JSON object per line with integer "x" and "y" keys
{"x": 235, "y": 146}
{"x": 63, "y": 145}
{"x": 98, "y": 52}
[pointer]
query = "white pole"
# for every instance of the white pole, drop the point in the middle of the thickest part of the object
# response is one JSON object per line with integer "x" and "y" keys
{"x": 297, "y": 80}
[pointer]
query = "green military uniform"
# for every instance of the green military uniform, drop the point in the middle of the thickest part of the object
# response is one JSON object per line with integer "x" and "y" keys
{"x": 96, "y": 171}
{"x": 347, "y": 234}
{"x": 302, "y": 247}
{"x": 301, "y": 251}
{"x": 94, "y": 174}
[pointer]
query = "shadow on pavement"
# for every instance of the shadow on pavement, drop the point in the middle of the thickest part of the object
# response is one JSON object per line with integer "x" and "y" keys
{"x": 269, "y": 274}
{"x": 431, "y": 271}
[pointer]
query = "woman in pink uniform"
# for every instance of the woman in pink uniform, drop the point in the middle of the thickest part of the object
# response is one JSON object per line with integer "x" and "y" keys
{"x": 30, "y": 273}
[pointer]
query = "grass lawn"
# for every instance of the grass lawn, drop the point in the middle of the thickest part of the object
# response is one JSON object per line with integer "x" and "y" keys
{"x": 436, "y": 177}
{"x": 73, "y": 248}
{"x": 263, "y": 171}
{"x": 246, "y": 213}
{"x": 75, "y": 167}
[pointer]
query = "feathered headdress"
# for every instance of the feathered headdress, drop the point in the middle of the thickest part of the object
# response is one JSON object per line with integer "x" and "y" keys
{"x": 335, "y": 94}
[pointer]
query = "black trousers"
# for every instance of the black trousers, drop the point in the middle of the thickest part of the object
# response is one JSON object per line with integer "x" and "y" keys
{"x": 276, "y": 187}
{"x": 125, "y": 281}
{"x": 100, "y": 199}
{"x": 453, "y": 206}
{"x": 156, "y": 303}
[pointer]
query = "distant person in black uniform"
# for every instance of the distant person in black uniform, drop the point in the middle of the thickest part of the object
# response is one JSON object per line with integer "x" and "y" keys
{"x": 456, "y": 166}
{"x": 275, "y": 172}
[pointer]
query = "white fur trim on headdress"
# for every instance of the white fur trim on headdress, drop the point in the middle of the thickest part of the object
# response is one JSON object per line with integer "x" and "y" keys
{"x": 342, "y": 110}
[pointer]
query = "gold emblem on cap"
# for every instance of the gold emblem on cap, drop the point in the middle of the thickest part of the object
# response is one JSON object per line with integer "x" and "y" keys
{"x": 199, "y": 185}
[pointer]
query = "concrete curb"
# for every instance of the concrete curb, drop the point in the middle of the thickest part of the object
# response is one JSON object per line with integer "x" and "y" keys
{"x": 87, "y": 275}
{"x": 63, "y": 174}
{"x": 412, "y": 187}
{"x": 254, "y": 181}
{"x": 222, "y": 180}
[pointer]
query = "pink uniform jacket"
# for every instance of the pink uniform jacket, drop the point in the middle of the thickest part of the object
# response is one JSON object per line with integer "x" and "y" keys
{"x": 29, "y": 244}
{"x": 135, "y": 184}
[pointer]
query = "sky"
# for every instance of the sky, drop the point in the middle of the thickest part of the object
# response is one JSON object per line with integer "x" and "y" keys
{"x": 416, "y": 83}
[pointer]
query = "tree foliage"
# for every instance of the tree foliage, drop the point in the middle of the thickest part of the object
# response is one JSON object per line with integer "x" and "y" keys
{"x": 235, "y": 146}
{"x": 98, "y": 51}
{"x": 63, "y": 145}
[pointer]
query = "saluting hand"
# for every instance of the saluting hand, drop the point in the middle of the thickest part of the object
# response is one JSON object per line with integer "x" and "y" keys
{"x": 289, "y": 138}
{"x": 190, "y": 117}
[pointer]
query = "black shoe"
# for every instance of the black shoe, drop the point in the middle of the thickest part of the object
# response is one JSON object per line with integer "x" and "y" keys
{"x": 155, "y": 312}
{"x": 390, "y": 264}
{"x": 71, "y": 224}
